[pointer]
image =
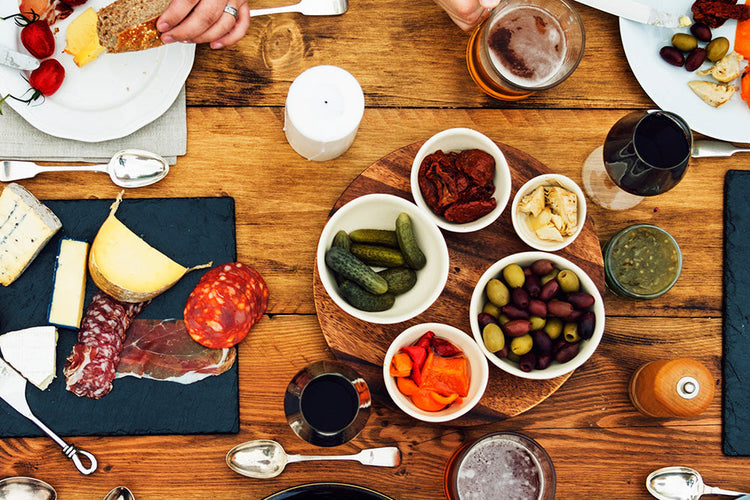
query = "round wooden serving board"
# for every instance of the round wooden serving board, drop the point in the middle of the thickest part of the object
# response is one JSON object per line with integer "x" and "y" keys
{"x": 364, "y": 344}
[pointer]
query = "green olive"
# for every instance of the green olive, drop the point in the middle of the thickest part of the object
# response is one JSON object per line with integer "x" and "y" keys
{"x": 513, "y": 357}
{"x": 550, "y": 276}
{"x": 491, "y": 309}
{"x": 497, "y": 292}
{"x": 514, "y": 276}
{"x": 503, "y": 318}
{"x": 568, "y": 281}
{"x": 537, "y": 322}
{"x": 684, "y": 42}
{"x": 493, "y": 337}
{"x": 717, "y": 49}
{"x": 570, "y": 332}
{"x": 521, "y": 345}
{"x": 553, "y": 328}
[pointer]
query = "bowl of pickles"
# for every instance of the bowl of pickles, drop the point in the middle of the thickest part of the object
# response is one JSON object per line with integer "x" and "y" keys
{"x": 536, "y": 315}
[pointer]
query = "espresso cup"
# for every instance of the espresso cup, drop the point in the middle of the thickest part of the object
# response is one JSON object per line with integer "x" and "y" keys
{"x": 327, "y": 403}
{"x": 525, "y": 46}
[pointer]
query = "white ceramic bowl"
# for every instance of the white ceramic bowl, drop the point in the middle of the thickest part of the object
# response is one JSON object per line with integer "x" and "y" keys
{"x": 520, "y": 220}
{"x": 478, "y": 371}
{"x": 379, "y": 211}
{"x": 555, "y": 369}
{"x": 459, "y": 139}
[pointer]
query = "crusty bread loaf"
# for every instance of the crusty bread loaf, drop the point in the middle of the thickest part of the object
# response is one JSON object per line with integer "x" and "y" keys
{"x": 129, "y": 25}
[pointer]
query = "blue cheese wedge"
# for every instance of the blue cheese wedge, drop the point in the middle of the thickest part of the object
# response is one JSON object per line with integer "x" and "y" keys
{"x": 26, "y": 225}
{"x": 32, "y": 352}
{"x": 69, "y": 286}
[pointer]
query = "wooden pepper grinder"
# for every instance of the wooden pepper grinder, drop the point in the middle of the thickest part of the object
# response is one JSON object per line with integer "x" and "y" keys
{"x": 680, "y": 387}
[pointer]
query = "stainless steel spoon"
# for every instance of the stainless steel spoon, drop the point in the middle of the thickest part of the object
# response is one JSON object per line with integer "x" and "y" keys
{"x": 27, "y": 488}
{"x": 130, "y": 168}
{"x": 681, "y": 483}
{"x": 119, "y": 493}
{"x": 264, "y": 458}
{"x": 308, "y": 8}
{"x": 703, "y": 148}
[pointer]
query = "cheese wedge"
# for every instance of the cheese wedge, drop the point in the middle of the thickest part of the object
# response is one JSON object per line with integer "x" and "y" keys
{"x": 26, "y": 225}
{"x": 69, "y": 285}
{"x": 82, "y": 40}
{"x": 126, "y": 267}
{"x": 32, "y": 352}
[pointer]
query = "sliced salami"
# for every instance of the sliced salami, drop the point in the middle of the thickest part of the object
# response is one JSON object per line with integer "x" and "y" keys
{"x": 90, "y": 367}
{"x": 228, "y": 300}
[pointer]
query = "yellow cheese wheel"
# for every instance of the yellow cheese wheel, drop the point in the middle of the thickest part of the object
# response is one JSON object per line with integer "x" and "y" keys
{"x": 124, "y": 266}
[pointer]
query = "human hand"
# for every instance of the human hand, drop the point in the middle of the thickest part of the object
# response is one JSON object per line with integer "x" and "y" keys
{"x": 204, "y": 21}
{"x": 467, "y": 14}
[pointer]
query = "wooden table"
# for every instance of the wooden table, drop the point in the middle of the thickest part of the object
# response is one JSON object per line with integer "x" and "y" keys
{"x": 409, "y": 60}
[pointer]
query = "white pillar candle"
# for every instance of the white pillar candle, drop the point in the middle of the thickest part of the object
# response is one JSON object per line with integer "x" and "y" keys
{"x": 323, "y": 109}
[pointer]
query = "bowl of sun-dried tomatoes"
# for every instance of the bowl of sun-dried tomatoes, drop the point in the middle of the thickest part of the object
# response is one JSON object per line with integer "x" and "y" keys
{"x": 461, "y": 178}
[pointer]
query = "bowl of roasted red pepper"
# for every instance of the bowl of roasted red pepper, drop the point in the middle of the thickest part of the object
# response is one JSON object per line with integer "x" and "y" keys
{"x": 461, "y": 179}
{"x": 435, "y": 372}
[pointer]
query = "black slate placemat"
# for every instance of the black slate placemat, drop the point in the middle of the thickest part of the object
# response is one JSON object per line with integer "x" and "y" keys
{"x": 191, "y": 231}
{"x": 736, "y": 355}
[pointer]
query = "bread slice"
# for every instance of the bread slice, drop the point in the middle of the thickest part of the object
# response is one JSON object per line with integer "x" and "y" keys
{"x": 130, "y": 25}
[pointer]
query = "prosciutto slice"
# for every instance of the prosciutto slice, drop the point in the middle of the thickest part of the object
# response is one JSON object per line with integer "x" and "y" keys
{"x": 163, "y": 350}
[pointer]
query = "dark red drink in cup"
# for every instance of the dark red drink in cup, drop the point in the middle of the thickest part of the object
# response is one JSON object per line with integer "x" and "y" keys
{"x": 500, "y": 466}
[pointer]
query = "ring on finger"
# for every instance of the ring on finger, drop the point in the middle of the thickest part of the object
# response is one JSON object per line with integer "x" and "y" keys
{"x": 231, "y": 11}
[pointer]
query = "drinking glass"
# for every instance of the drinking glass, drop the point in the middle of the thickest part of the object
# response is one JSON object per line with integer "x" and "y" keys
{"x": 646, "y": 153}
{"x": 327, "y": 403}
{"x": 525, "y": 46}
{"x": 501, "y": 464}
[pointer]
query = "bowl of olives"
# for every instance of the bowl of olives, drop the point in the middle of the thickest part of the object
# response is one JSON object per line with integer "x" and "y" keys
{"x": 536, "y": 315}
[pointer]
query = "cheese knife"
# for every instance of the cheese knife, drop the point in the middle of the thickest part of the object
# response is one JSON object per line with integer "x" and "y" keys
{"x": 638, "y": 12}
{"x": 13, "y": 391}
{"x": 17, "y": 60}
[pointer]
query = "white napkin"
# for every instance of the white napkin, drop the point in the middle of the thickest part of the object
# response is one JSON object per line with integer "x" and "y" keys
{"x": 166, "y": 136}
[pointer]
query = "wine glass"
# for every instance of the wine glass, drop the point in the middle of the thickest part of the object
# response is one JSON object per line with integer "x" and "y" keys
{"x": 645, "y": 153}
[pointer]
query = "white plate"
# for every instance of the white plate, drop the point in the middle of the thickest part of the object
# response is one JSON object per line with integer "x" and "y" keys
{"x": 111, "y": 97}
{"x": 667, "y": 85}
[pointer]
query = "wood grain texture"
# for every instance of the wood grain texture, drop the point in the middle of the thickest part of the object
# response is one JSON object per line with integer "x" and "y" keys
{"x": 364, "y": 345}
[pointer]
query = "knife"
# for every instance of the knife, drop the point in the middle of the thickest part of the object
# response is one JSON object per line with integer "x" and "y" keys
{"x": 638, "y": 12}
{"x": 13, "y": 391}
{"x": 17, "y": 60}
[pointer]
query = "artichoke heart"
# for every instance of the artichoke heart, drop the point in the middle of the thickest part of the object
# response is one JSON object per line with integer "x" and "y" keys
{"x": 725, "y": 69}
{"x": 713, "y": 94}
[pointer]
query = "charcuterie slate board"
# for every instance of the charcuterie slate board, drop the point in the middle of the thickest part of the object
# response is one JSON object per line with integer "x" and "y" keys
{"x": 736, "y": 400}
{"x": 191, "y": 231}
{"x": 363, "y": 345}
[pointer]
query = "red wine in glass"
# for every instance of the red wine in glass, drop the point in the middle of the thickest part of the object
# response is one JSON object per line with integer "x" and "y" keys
{"x": 647, "y": 152}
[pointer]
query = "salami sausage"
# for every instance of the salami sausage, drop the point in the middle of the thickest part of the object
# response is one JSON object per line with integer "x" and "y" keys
{"x": 228, "y": 300}
{"x": 90, "y": 367}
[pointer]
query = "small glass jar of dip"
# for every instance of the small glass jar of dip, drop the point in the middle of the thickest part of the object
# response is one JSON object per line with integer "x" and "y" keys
{"x": 641, "y": 262}
{"x": 501, "y": 466}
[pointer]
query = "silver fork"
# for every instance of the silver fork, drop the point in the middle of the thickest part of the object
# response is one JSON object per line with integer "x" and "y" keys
{"x": 307, "y": 8}
{"x": 703, "y": 148}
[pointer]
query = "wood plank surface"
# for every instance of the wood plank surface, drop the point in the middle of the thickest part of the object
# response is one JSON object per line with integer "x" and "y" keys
{"x": 409, "y": 59}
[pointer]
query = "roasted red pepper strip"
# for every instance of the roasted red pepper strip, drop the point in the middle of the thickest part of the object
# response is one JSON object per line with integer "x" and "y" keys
{"x": 424, "y": 340}
{"x": 444, "y": 348}
{"x": 417, "y": 354}
{"x": 745, "y": 86}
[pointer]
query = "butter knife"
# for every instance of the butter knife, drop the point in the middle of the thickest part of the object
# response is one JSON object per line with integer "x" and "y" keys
{"x": 13, "y": 391}
{"x": 638, "y": 12}
{"x": 17, "y": 60}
